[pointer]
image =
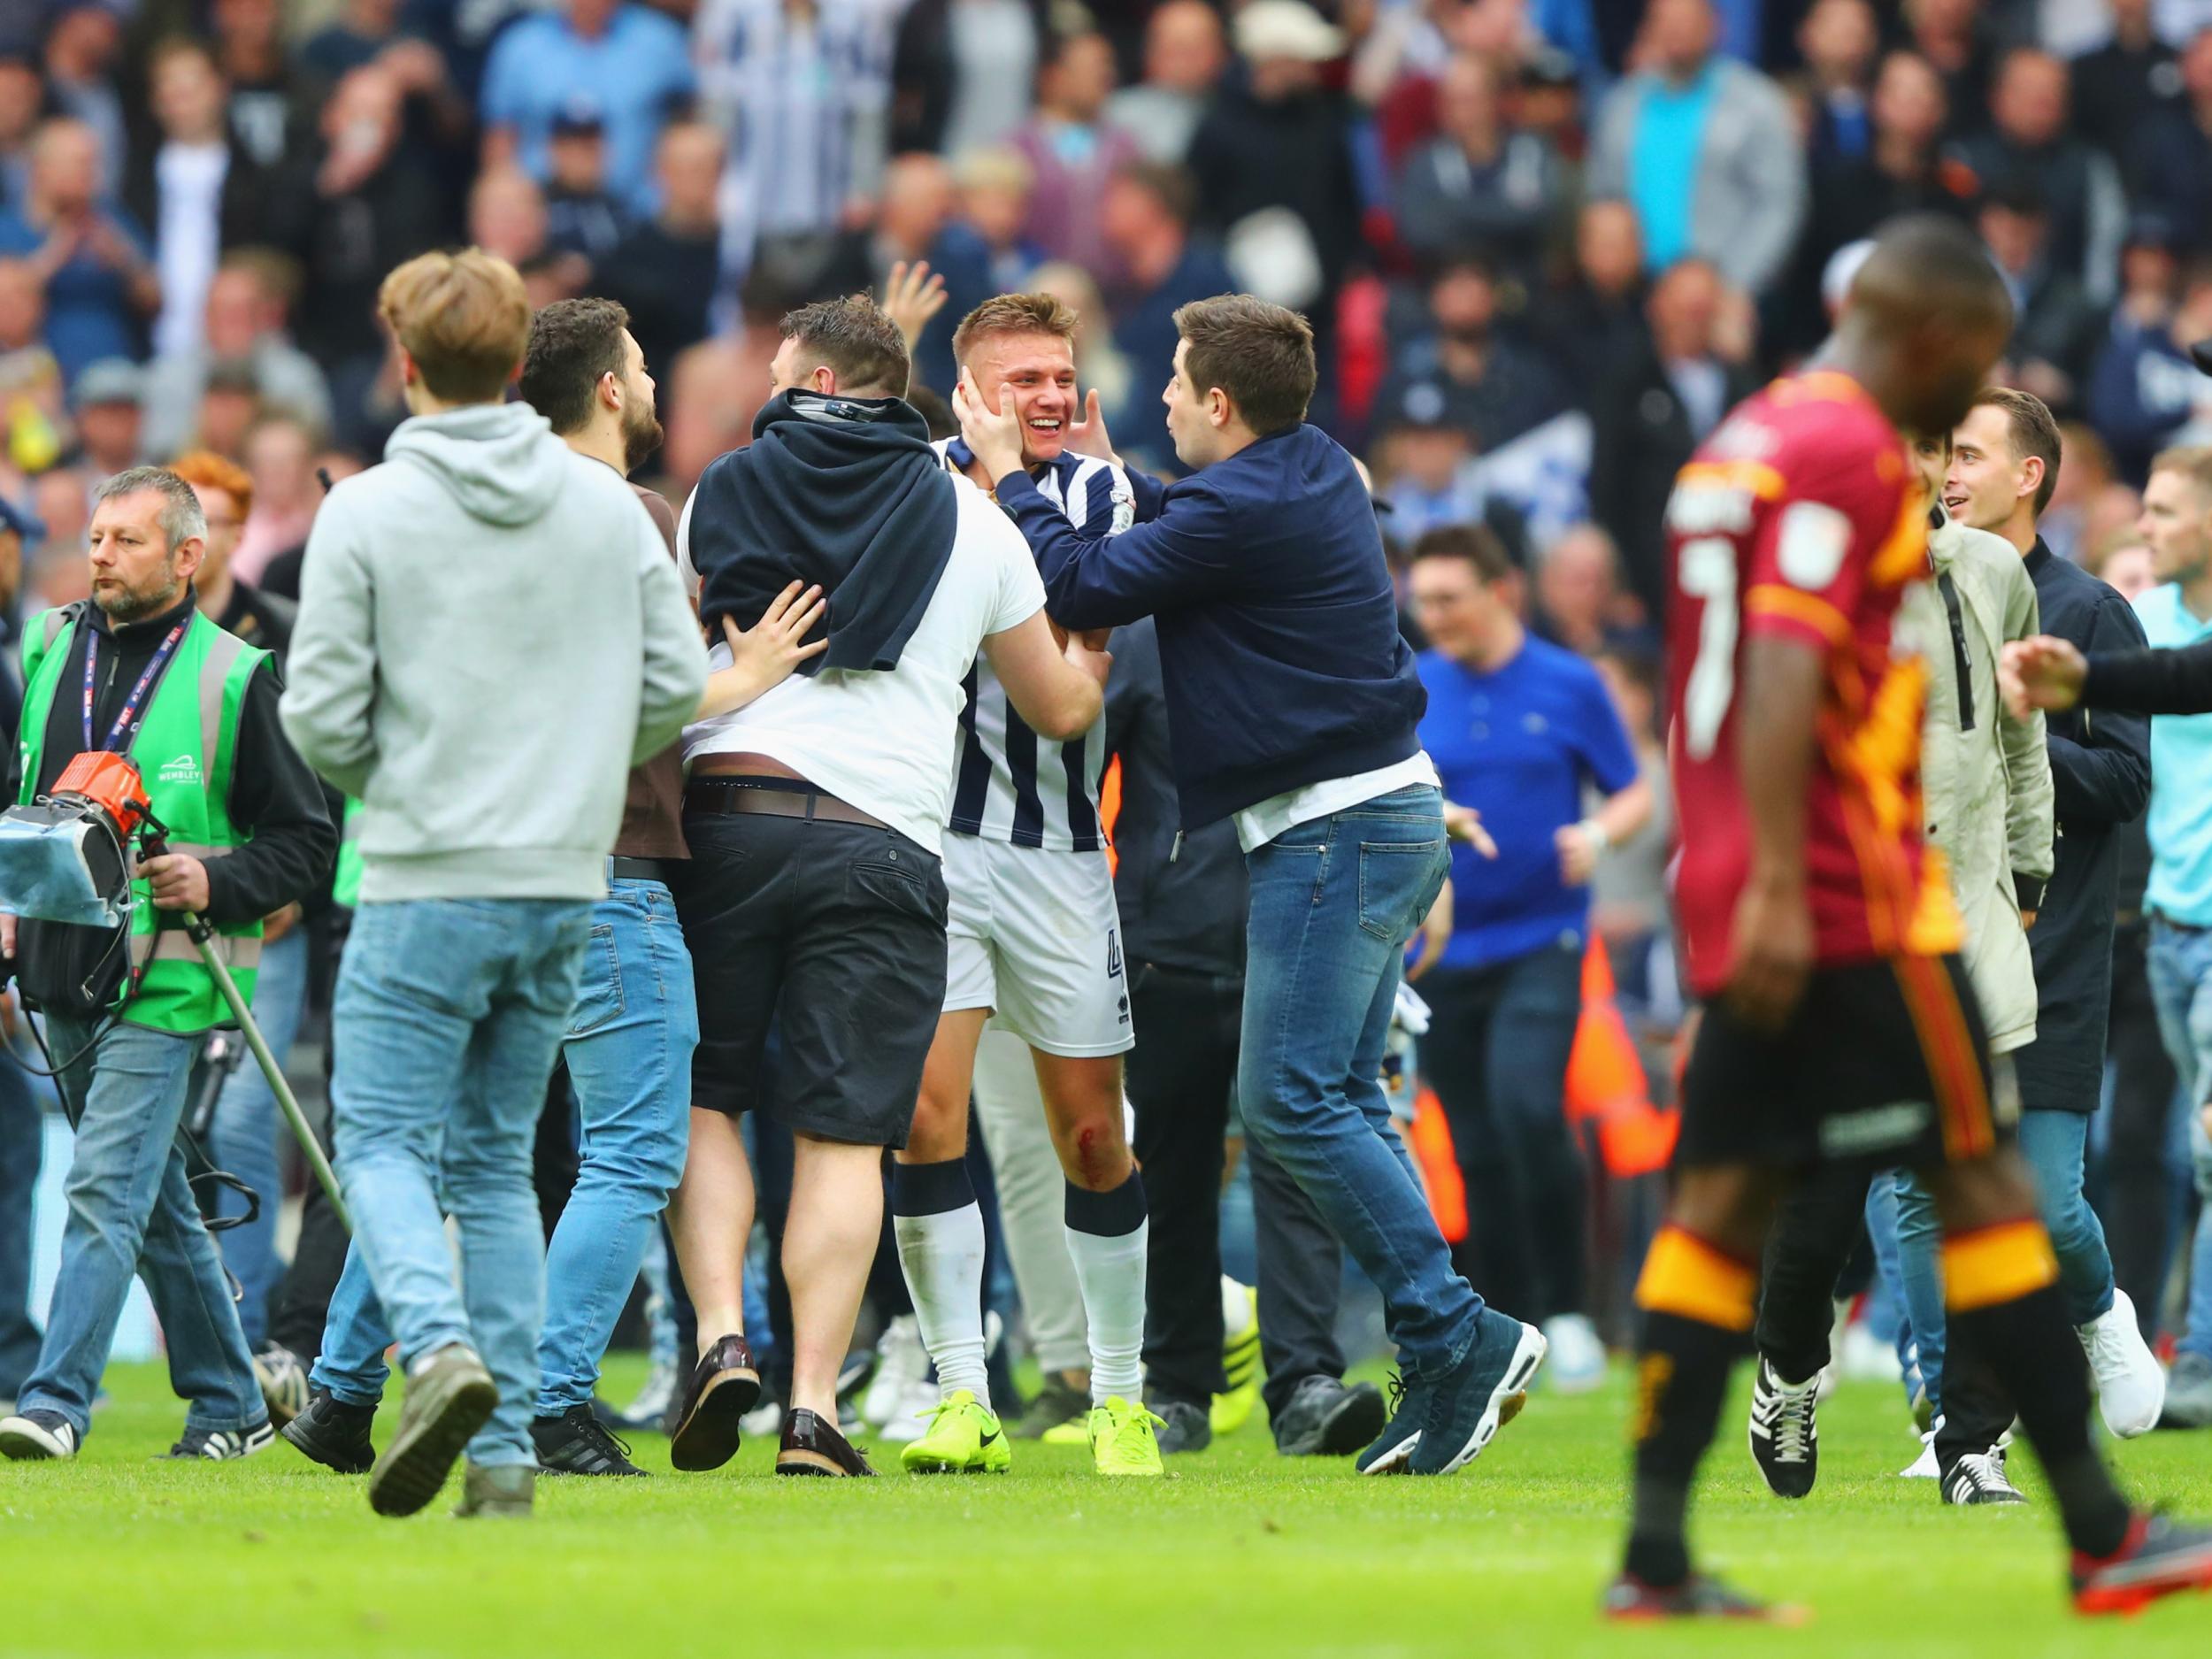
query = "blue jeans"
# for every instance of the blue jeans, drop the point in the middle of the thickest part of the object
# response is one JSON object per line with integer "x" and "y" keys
{"x": 628, "y": 1049}
{"x": 132, "y": 1212}
{"x": 447, "y": 1015}
{"x": 1901, "y": 1219}
{"x": 22, "y": 1149}
{"x": 243, "y": 1137}
{"x": 2052, "y": 1143}
{"x": 1334, "y": 902}
{"x": 2181, "y": 985}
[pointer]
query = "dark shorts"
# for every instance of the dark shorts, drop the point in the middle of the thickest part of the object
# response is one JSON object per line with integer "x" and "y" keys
{"x": 835, "y": 934}
{"x": 1884, "y": 1063}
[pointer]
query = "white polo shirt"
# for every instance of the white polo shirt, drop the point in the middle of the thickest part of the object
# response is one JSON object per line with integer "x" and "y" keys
{"x": 886, "y": 741}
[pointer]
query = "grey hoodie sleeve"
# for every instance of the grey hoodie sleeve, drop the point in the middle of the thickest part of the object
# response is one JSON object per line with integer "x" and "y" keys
{"x": 675, "y": 657}
{"x": 330, "y": 675}
{"x": 2031, "y": 810}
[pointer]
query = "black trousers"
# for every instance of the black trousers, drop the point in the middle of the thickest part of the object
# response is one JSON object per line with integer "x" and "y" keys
{"x": 2136, "y": 1203}
{"x": 1816, "y": 1231}
{"x": 1181, "y": 1078}
{"x": 1496, "y": 1054}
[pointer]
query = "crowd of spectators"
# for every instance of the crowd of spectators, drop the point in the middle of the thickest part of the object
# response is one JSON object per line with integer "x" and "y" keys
{"x": 1544, "y": 244}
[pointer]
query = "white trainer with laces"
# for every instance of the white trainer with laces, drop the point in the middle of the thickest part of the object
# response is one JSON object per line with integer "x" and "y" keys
{"x": 1924, "y": 1467}
{"x": 2130, "y": 1388}
{"x": 1577, "y": 1358}
{"x": 901, "y": 1362}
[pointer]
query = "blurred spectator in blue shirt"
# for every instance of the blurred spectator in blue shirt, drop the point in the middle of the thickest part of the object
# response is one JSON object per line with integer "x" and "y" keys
{"x": 635, "y": 62}
{"x": 1154, "y": 265}
{"x": 89, "y": 256}
{"x": 1481, "y": 183}
{"x": 2145, "y": 394}
{"x": 2170, "y": 154}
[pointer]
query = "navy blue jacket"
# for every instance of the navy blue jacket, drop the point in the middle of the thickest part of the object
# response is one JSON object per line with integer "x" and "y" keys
{"x": 2100, "y": 766}
{"x": 1180, "y": 908}
{"x": 1279, "y": 629}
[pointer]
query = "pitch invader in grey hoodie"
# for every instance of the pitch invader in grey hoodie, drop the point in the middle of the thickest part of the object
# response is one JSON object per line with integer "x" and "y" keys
{"x": 490, "y": 635}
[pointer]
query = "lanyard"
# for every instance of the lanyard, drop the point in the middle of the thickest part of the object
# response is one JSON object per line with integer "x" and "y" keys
{"x": 128, "y": 715}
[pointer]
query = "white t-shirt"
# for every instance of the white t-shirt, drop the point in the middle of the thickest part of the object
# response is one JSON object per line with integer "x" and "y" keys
{"x": 885, "y": 741}
{"x": 187, "y": 239}
{"x": 1261, "y": 823}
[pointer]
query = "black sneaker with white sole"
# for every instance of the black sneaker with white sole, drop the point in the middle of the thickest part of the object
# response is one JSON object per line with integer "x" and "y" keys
{"x": 1391, "y": 1452}
{"x": 577, "y": 1443}
{"x": 335, "y": 1434}
{"x": 1785, "y": 1438}
{"x": 1476, "y": 1398}
{"x": 222, "y": 1444}
{"x": 1979, "y": 1477}
{"x": 1324, "y": 1419}
{"x": 36, "y": 1435}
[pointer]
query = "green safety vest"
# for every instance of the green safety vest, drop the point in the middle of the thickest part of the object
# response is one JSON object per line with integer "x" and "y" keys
{"x": 345, "y": 886}
{"x": 185, "y": 746}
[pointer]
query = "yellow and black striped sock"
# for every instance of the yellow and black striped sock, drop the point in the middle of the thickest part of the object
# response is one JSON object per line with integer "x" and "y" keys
{"x": 1699, "y": 1303}
{"x": 2000, "y": 1288}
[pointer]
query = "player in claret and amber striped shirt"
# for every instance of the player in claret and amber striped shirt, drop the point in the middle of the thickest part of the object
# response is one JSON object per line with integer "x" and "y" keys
{"x": 1839, "y": 1024}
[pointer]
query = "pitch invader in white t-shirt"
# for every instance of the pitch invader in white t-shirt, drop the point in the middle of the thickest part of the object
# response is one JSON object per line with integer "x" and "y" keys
{"x": 1033, "y": 938}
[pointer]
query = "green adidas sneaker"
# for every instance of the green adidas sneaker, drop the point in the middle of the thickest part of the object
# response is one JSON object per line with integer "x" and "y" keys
{"x": 964, "y": 1438}
{"x": 1240, "y": 1358}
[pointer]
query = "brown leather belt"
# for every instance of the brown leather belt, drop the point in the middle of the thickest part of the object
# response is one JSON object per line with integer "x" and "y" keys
{"x": 775, "y": 797}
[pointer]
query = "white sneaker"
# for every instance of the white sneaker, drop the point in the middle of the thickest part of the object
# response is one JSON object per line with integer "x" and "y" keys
{"x": 1577, "y": 1358}
{"x": 1923, "y": 1467}
{"x": 912, "y": 1419}
{"x": 901, "y": 1362}
{"x": 1865, "y": 1358}
{"x": 2130, "y": 1388}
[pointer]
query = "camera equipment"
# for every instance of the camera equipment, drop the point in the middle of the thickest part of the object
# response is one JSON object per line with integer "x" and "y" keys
{"x": 67, "y": 857}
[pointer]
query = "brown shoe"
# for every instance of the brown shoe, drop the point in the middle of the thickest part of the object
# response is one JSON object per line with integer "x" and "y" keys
{"x": 812, "y": 1446}
{"x": 724, "y": 1388}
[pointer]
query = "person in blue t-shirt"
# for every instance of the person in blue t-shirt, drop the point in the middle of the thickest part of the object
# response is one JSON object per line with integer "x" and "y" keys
{"x": 1524, "y": 732}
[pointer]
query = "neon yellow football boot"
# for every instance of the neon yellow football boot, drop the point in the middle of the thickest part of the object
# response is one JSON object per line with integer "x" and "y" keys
{"x": 962, "y": 1438}
{"x": 1125, "y": 1439}
{"x": 1240, "y": 1358}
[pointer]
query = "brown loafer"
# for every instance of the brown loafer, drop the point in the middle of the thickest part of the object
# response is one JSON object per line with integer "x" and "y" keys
{"x": 725, "y": 1386}
{"x": 812, "y": 1446}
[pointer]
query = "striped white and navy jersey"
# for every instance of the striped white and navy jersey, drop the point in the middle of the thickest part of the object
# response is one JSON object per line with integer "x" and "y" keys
{"x": 1008, "y": 784}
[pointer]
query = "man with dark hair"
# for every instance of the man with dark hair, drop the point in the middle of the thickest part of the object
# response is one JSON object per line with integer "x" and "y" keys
{"x": 2169, "y": 682}
{"x": 128, "y": 1012}
{"x": 630, "y": 1036}
{"x": 1840, "y": 1025}
{"x": 461, "y": 593}
{"x": 815, "y": 815}
{"x": 1521, "y": 730}
{"x": 1293, "y": 703}
{"x": 2004, "y": 468}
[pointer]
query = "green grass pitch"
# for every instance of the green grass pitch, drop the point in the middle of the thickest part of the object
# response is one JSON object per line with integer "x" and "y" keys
{"x": 1239, "y": 1553}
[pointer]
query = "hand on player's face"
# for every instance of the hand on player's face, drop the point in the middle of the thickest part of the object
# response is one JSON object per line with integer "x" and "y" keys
{"x": 1037, "y": 371}
{"x": 994, "y": 435}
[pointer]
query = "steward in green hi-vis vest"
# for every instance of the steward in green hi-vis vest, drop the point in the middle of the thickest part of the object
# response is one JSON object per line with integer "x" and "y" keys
{"x": 185, "y": 749}
{"x": 345, "y": 886}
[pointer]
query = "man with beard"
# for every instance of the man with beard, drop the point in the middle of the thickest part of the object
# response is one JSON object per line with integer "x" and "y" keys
{"x": 634, "y": 1024}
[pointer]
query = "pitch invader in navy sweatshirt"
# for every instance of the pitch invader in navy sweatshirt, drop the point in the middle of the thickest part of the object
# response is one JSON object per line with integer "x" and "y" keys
{"x": 1292, "y": 707}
